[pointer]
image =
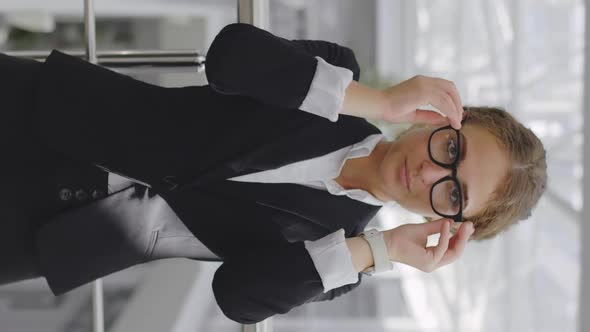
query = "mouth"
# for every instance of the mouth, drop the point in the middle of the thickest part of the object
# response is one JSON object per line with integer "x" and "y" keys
{"x": 404, "y": 175}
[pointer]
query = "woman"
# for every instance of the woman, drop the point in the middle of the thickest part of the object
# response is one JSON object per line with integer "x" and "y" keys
{"x": 281, "y": 196}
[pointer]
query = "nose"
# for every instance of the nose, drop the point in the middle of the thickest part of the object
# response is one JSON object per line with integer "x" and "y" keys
{"x": 431, "y": 172}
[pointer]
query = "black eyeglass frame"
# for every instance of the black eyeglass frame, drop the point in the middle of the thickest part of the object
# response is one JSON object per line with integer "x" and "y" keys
{"x": 453, "y": 177}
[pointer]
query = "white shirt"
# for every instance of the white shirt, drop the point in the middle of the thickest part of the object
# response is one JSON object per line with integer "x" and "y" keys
{"x": 330, "y": 254}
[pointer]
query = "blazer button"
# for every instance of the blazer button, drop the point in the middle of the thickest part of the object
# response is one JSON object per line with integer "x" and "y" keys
{"x": 65, "y": 194}
{"x": 97, "y": 193}
{"x": 81, "y": 195}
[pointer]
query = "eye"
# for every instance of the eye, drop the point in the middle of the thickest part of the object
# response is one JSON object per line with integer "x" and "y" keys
{"x": 452, "y": 149}
{"x": 454, "y": 196}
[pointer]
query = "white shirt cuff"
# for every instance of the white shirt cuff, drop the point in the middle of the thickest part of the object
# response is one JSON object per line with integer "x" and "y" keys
{"x": 326, "y": 92}
{"x": 332, "y": 260}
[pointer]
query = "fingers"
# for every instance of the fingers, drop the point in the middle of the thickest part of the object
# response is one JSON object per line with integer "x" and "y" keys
{"x": 443, "y": 101}
{"x": 405, "y": 101}
{"x": 427, "y": 259}
{"x": 458, "y": 243}
{"x": 443, "y": 95}
{"x": 450, "y": 88}
{"x": 433, "y": 227}
{"x": 443, "y": 242}
{"x": 429, "y": 117}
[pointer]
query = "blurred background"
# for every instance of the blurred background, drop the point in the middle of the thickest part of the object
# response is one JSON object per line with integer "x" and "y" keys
{"x": 524, "y": 55}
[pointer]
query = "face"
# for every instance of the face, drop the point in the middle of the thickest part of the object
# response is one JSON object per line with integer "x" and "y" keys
{"x": 481, "y": 171}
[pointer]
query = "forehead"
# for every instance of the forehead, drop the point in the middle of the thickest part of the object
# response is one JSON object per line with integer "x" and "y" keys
{"x": 483, "y": 169}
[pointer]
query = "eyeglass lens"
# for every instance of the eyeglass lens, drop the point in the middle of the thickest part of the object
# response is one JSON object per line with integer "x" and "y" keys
{"x": 444, "y": 148}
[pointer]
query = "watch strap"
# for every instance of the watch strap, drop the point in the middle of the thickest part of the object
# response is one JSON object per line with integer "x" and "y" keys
{"x": 379, "y": 250}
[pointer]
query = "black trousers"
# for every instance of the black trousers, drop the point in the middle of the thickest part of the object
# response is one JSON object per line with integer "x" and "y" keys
{"x": 19, "y": 168}
{"x": 35, "y": 182}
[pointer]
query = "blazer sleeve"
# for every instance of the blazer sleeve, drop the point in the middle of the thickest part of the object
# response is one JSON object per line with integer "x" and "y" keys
{"x": 336, "y": 292}
{"x": 265, "y": 282}
{"x": 248, "y": 61}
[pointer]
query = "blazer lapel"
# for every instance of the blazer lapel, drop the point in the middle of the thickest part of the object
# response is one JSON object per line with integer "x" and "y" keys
{"x": 322, "y": 211}
{"x": 319, "y": 207}
{"x": 314, "y": 138}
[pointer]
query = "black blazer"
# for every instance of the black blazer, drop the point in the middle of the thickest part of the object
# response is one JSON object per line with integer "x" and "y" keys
{"x": 163, "y": 137}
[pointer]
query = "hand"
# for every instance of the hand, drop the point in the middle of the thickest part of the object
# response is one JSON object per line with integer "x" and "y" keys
{"x": 407, "y": 244}
{"x": 404, "y": 99}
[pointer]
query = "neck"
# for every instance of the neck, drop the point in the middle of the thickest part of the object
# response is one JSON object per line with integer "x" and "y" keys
{"x": 363, "y": 173}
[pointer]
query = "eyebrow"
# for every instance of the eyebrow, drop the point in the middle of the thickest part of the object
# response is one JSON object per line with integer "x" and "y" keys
{"x": 465, "y": 196}
{"x": 463, "y": 153}
{"x": 463, "y": 146}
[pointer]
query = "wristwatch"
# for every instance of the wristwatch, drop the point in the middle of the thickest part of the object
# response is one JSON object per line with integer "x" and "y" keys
{"x": 379, "y": 250}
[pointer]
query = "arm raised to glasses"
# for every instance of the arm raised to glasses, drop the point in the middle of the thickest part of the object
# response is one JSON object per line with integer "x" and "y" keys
{"x": 264, "y": 282}
{"x": 245, "y": 60}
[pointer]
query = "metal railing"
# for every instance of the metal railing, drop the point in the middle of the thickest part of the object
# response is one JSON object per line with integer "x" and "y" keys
{"x": 249, "y": 11}
{"x": 133, "y": 60}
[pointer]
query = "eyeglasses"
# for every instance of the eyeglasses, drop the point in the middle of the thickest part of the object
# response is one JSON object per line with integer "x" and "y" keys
{"x": 446, "y": 196}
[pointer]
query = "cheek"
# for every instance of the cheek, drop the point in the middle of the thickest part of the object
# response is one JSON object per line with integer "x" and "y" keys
{"x": 420, "y": 203}
{"x": 416, "y": 150}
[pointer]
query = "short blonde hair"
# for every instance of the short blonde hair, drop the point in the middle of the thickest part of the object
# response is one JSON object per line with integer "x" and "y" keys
{"x": 525, "y": 180}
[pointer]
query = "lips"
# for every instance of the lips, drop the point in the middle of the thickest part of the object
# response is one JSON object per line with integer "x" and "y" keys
{"x": 404, "y": 175}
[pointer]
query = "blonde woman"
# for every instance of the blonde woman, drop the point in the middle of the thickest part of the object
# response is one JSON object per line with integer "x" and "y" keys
{"x": 270, "y": 168}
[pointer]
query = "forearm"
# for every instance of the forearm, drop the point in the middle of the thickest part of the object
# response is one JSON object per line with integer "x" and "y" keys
{"x": 363, "y": 101}
{"x": 360, "y": 252}
{"x": 248, "y": 61}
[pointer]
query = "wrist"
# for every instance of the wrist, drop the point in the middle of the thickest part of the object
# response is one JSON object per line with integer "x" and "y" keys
{"x": 379, "y": 251}
{"x": 388, "y": 236}
{"x": 363, "y": 101}
{"x": 360, "y": 251}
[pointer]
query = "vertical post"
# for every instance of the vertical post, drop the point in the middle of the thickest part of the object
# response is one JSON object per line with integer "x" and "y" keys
{"x": 97, "y": 306}
{"x": 90, "y": 31}
{"x": 90, "y": 40}
{"x": 584, "y": 298}
{"x": 254, "y": 12}
{"x": 264, "y": 326}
